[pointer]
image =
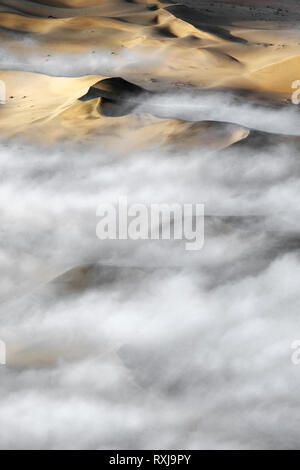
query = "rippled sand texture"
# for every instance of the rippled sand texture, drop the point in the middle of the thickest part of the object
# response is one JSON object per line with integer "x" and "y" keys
{"x": 141, "y": 344}
{"x": 144, "y": 42}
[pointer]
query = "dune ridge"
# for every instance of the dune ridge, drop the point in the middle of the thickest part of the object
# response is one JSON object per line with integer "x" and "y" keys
{"x": 253, "y": 59}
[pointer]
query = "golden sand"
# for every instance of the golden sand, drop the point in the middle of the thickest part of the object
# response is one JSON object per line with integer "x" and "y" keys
{"x": 261, "y": 60}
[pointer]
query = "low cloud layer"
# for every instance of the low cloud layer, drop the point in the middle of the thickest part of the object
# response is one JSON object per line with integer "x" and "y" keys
{"x": 149, "y": 346}
{"x": 98, "y": 61}
{"x": 225, "y": 107}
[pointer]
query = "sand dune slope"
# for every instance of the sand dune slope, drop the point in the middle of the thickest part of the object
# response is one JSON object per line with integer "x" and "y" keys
{"x": 142, "y": 42}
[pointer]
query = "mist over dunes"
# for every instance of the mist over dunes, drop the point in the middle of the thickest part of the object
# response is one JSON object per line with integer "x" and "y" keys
{"x": 137, "y": 344}
{"x": 142, "y": 42}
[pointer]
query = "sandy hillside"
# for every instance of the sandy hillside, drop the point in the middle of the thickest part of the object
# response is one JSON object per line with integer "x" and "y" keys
{"x": 144, "y": 43}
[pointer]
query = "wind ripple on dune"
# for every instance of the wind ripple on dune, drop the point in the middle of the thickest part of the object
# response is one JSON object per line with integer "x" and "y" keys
{"x": 113, "y": 7}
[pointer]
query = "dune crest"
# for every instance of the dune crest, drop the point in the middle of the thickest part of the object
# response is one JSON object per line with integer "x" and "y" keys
{"x": 206, "y": 57}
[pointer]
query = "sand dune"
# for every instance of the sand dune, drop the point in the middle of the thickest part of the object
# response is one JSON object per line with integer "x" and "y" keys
{"x": 162, "y": 101}
{"x": 52, "y": 108}
{"x": 249, "y": 59}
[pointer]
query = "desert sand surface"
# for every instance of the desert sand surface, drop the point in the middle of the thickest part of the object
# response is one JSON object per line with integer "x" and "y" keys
{"x": 118, "y": 37}
{"x": 141, "y": 344}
